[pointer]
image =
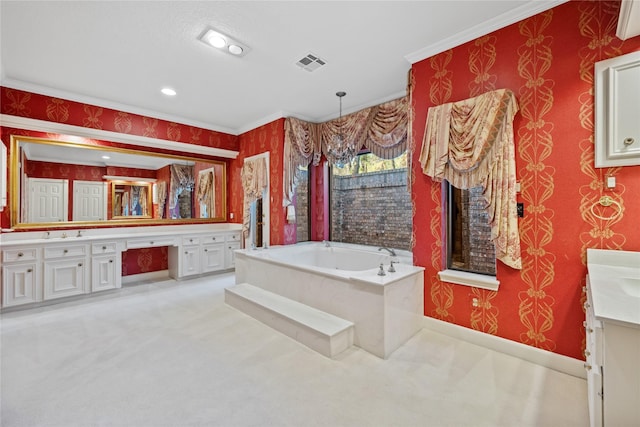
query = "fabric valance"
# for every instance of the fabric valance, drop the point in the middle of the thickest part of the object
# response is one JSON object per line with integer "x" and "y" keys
{"x": 381, "y": 129}
{"x": 470, "y": 143}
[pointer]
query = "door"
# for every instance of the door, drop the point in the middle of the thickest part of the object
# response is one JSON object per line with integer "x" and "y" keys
{"x": 89, "y": 201}
{"x": 48, "y": 200}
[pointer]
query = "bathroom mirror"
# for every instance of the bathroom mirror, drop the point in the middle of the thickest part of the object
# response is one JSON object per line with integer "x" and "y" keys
{"x": 63, "y": 183}
{"x": 617, "y": 102}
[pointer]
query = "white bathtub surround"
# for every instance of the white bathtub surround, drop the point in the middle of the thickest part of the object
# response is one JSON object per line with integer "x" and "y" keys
{"x": 327, "y": 334}
{"x": 343, "y": 280}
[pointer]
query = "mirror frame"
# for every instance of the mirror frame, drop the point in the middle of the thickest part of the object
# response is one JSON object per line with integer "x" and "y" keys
{"x": 14, "y": 196}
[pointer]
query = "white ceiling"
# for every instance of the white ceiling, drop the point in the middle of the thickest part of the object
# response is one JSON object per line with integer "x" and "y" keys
{"x": 120, "y": 54}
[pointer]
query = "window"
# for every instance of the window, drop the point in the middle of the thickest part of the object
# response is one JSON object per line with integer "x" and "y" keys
{"x": 370, "y": 202}
{"x": 469, "y": 246}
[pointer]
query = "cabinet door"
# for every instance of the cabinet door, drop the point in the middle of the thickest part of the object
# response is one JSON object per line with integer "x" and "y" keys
{"x": 212, "y": 258}
{"x": 19, "y": 284}
{"x": 230, "y": 255}
{"x": 190, "y": 261}
{"x": 105, "y": 273}
{"x": 63, "y": 278}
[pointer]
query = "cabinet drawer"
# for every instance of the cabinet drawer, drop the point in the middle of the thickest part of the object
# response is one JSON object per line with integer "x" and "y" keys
{"x": 150, "y": 242}
{"x": 212, "y": 238}
{"x": 235, "y": 237}
{"x": 104, "y": 248}
{"x": 22, "y": 254}
{"x": 65, "y": 251}
{"x": 190, "y": 240}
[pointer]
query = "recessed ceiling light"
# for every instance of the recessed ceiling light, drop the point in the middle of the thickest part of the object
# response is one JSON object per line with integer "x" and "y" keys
{"x": 235, "y": 49}
{"x": 168, "y": 91}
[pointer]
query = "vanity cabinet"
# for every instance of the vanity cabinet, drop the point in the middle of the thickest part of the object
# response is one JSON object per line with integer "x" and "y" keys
{"x": 65, "y": 271}
{"x": 106, "y": 266}
{"x": 593, "y": 361}
{"x": 200, "y": 254}
{"x": 232, "y": 244}
{"x": 38, "y": 266}
{"x": 20, "y": 276}
{"x": 613, "y": 369}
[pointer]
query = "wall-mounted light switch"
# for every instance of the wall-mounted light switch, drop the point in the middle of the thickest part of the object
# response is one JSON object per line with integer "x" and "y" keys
{"x": 611, "y": 182}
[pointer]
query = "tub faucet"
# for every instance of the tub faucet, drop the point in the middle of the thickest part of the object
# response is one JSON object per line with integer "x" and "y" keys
{"x": 391, "y": 251}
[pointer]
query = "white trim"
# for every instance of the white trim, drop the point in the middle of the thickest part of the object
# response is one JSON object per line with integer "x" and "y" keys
{"x": 527, "y": 10}
{"x": 61, "y": 128}
{"x": 466, "y": 278}
{"x": 71, "y": 96}
{"x": 628, "y": 20}
{"x": 128, "y": 178}
{"x": 557, "y": 362}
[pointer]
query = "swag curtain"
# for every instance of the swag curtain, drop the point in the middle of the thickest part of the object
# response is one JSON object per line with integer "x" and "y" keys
{"x": 381, "y": 129}
{"x": 470, "y": 143}
{"x": 254, "y": 182}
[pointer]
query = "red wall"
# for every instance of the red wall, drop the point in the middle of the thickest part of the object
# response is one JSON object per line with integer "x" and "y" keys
{"x": 547, "y": 61}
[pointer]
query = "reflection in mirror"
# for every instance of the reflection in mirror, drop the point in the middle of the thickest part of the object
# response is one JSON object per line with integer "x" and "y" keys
{"x": 131, "y": 199}
{"x": 61, "y": 183}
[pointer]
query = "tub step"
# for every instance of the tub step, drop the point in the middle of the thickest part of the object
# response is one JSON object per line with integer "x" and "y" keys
{"x": 320, "y": 331}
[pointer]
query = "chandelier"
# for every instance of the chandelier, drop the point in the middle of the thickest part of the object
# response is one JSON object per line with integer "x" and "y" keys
{"x": 339, "y": 150}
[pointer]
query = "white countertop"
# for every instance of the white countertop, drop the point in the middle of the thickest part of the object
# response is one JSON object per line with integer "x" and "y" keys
{"x": 96, "y": 234}
{"x": 614, "y": 278}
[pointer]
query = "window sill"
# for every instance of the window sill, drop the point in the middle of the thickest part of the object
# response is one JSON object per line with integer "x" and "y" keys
{"x": 469, "y": 279}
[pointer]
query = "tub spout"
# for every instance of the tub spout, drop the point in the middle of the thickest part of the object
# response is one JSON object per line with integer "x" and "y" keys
{"x": 391, "y": 251}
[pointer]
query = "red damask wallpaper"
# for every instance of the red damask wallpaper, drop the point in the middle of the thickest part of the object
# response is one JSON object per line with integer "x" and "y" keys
{"x": 547, "y": 61}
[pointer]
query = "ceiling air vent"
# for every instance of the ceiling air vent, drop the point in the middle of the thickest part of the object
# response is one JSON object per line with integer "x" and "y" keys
{"x": 311, "y": 62}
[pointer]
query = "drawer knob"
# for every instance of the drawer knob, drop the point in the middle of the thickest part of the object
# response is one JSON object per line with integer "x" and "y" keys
{"x": 151, "y": 242}
{"x": 20, "y": 254}
{"x": 587, "y": 353}
{"x": 29, "y": 270}
{"x": 79, "y": 264}
{"x": 110, "y": 261}
{"x": 587, "y": 366}
{"x": 65, "y": 251}
{"x": 213, "y": 238}
{"x": 206, "y": 250}
{"x": 191, "y": 240}
{"x": 104, "y": 248}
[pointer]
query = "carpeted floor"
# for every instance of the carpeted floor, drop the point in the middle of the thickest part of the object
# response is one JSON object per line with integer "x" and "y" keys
{"x": 173, "y": 354}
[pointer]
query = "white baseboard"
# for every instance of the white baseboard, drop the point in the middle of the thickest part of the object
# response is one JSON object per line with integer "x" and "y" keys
{"x": 557, "y": 362}
{"x": 144, "y": 277}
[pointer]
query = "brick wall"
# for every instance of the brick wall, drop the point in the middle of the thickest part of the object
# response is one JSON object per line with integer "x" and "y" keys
{"x": 372, "y": 209}
{"x": 480, "y": 249}
{"x": 302, "y": 206}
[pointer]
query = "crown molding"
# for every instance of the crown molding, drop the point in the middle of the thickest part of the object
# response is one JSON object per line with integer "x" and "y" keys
{"x": 518, "y": 14}
{"x": 142, "y": 141}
